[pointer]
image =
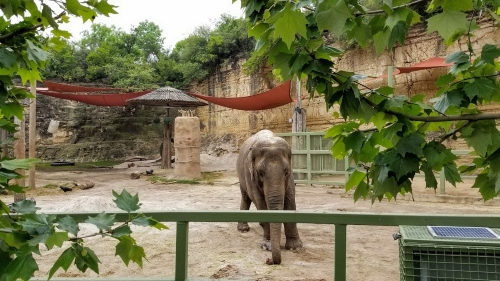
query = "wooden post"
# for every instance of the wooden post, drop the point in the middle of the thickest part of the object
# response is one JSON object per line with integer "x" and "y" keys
{"x": 32, "y": 134}
{"x": 298, "y": 125}
{"x": 166, "y": 159}
{"x": 20, "y": 153}
{"x": 3, "y": 137}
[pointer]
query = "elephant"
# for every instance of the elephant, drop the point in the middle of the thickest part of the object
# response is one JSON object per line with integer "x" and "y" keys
{"x": 266, "y": 179}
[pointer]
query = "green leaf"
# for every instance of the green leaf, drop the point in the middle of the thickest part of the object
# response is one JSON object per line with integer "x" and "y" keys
{"x": 362, "y": 190}
{"x": 354, "y": 141}
{"x": 122, "y": 230}
{"x": 399, "y": 15}
{"x": 289, "y": 22}
{"x": 437, "y": 155}
{"x": 47, "y": 13}
{"x": 454, "y": 5}
{"x": 457, "y": 57}
{"x": 354, "y": 180}
{"x": 430, "y": 178}
{"x": 125, "y": 201}
{"x": 398, "y": 34}
{"x": 332, "y": 15}
{"x": 64, "y": 261}
{"x": 123, "y": 249}
{"x": 36, "y": 54}
{"x": 410, "y": 144}
{"x": 142, "y": 220}
{"x": 445, "y": 80}
{"x": 339, "y": 129}
{"x": 73, "y": 6}
{"x": 23, "y": 267}
{"x": 137, "y": 254}
{"x": 105, "y": 8}
{"x": 103, "y": 221}
{"x": 486, "y": 187}
{"x": 10, "y": 110}
{"x": 258, "y": 29}
{"x": 390, "y": 132}
{"x": 15, "y": 164}
{"x": 480, "y": 87}
{"x": 68, "y": 224}
{"x": 488, "y": 54}
{"x": 25, "y": 207}
{"x": 56, "y": 239}
{"x": 446, "y": 100}
{"x": 381, "y": 39}
{"x": 448, "y": 23}
{"x": 477, "y": 138}
{"x": 358, "y": 30}
{"x": 451, "y": 174}
{"x": 7, "y": 58}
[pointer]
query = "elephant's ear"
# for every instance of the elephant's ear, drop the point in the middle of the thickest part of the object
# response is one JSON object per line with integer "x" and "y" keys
{"x": 250, "y": 164}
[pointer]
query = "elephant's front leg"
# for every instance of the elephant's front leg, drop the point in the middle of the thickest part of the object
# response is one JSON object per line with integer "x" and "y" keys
{"x": 244, "y": 205}
{"x": 292, "y": 234}
{"x": 261, "y": 204}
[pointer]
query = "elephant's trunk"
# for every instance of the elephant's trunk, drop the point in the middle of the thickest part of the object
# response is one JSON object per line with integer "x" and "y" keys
{"x": 275, "y": 232}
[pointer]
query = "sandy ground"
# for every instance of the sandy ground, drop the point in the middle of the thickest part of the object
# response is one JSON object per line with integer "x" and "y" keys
{"x": 218, "y": 250}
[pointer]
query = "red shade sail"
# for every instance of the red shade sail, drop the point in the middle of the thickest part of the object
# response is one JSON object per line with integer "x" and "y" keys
{"x": 60, "y": 87}
{"x": 119, "y": 99}
{"x": 275, "y": 97}
{"x": 426, "y": 64}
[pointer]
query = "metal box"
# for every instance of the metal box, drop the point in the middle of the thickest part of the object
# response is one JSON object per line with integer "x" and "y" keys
{"x": 424, "y": 256}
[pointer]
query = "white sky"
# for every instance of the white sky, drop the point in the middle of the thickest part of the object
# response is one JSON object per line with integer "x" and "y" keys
{"x": 177, "y": 18}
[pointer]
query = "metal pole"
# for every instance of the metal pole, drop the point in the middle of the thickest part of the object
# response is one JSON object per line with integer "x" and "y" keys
{"x": 181, "y": 251}
{"x": 340, "y": 252}
{"x": 32, "y": 134}
{"x": 390, "y": 77}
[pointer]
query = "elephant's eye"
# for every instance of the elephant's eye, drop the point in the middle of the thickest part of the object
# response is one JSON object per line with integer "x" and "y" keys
{"x": 287, "y": 172}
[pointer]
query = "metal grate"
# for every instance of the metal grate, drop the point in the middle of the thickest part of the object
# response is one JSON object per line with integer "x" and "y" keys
{"x": 424, "y": 257}
{"x": 462, "y": 232}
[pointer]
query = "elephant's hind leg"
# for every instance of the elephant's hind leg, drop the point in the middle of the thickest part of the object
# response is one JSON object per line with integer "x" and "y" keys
{"x": 244, "y": 205}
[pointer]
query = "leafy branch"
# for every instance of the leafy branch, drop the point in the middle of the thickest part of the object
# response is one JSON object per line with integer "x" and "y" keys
{"x": 4, "y": 38}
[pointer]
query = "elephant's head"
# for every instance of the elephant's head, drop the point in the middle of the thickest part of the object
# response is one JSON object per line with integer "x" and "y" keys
{"x": 271, "y": 172}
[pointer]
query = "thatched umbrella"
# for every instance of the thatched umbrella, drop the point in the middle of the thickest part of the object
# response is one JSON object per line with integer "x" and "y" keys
{"x": 168, "y": 97}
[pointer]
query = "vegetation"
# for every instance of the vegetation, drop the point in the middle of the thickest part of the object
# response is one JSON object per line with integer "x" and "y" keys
{"x": 208, "y": 177}
{"x": 295, "y": 35}
{"x": 23, "y": 53}
{"x": 77, "y": 166}
{"x": 137, "y": 59}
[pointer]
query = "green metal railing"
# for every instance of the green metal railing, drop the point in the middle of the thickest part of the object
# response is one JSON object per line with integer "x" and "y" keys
{"x": 339, "y": 220}
{"x": 309, "y": 171}
{"x": 318, "y": 151}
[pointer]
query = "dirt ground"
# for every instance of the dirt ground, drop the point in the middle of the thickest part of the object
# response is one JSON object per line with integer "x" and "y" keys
{"x": 218, "y": 250}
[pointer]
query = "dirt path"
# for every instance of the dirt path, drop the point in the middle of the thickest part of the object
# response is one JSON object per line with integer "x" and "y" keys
{"x": 218, "y": 250}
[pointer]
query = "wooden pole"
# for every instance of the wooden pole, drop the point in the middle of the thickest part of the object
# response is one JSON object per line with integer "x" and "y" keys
{"x": 20, "y": 153}
{"x": 166, "y": 159}
{"x": 32, "y": 134}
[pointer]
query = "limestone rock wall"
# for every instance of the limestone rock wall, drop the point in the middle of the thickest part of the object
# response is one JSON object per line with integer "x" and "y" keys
{"x": 90, "y": 133}
{"x": 224, "y": 130}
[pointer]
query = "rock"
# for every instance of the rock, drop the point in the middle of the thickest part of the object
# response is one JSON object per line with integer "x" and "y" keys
{"x": 131, "y": 165}
{"x": 86, "y": 185}
{"x": 135, "y": 175}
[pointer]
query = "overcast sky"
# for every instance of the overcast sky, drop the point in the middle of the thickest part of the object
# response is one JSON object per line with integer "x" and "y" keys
{"x": 177, "y": 18}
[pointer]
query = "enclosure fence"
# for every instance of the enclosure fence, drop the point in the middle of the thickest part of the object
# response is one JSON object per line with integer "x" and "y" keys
{"x": 313, "y": 163}
{"x": 339, "y": 221}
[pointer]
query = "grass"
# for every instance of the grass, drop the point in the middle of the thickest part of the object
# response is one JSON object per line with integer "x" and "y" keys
{"x": 208, "y": 177}
{"x": 77, "y": 167}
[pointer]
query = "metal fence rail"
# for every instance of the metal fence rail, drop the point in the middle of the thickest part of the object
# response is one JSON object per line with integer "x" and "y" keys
{"x": 340, "y": 220}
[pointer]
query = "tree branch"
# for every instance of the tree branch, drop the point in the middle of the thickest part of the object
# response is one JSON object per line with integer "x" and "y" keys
{"x": 382, "y": 11}
{"x": 23, "y": 30}
{"x": 444, "y": 137}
